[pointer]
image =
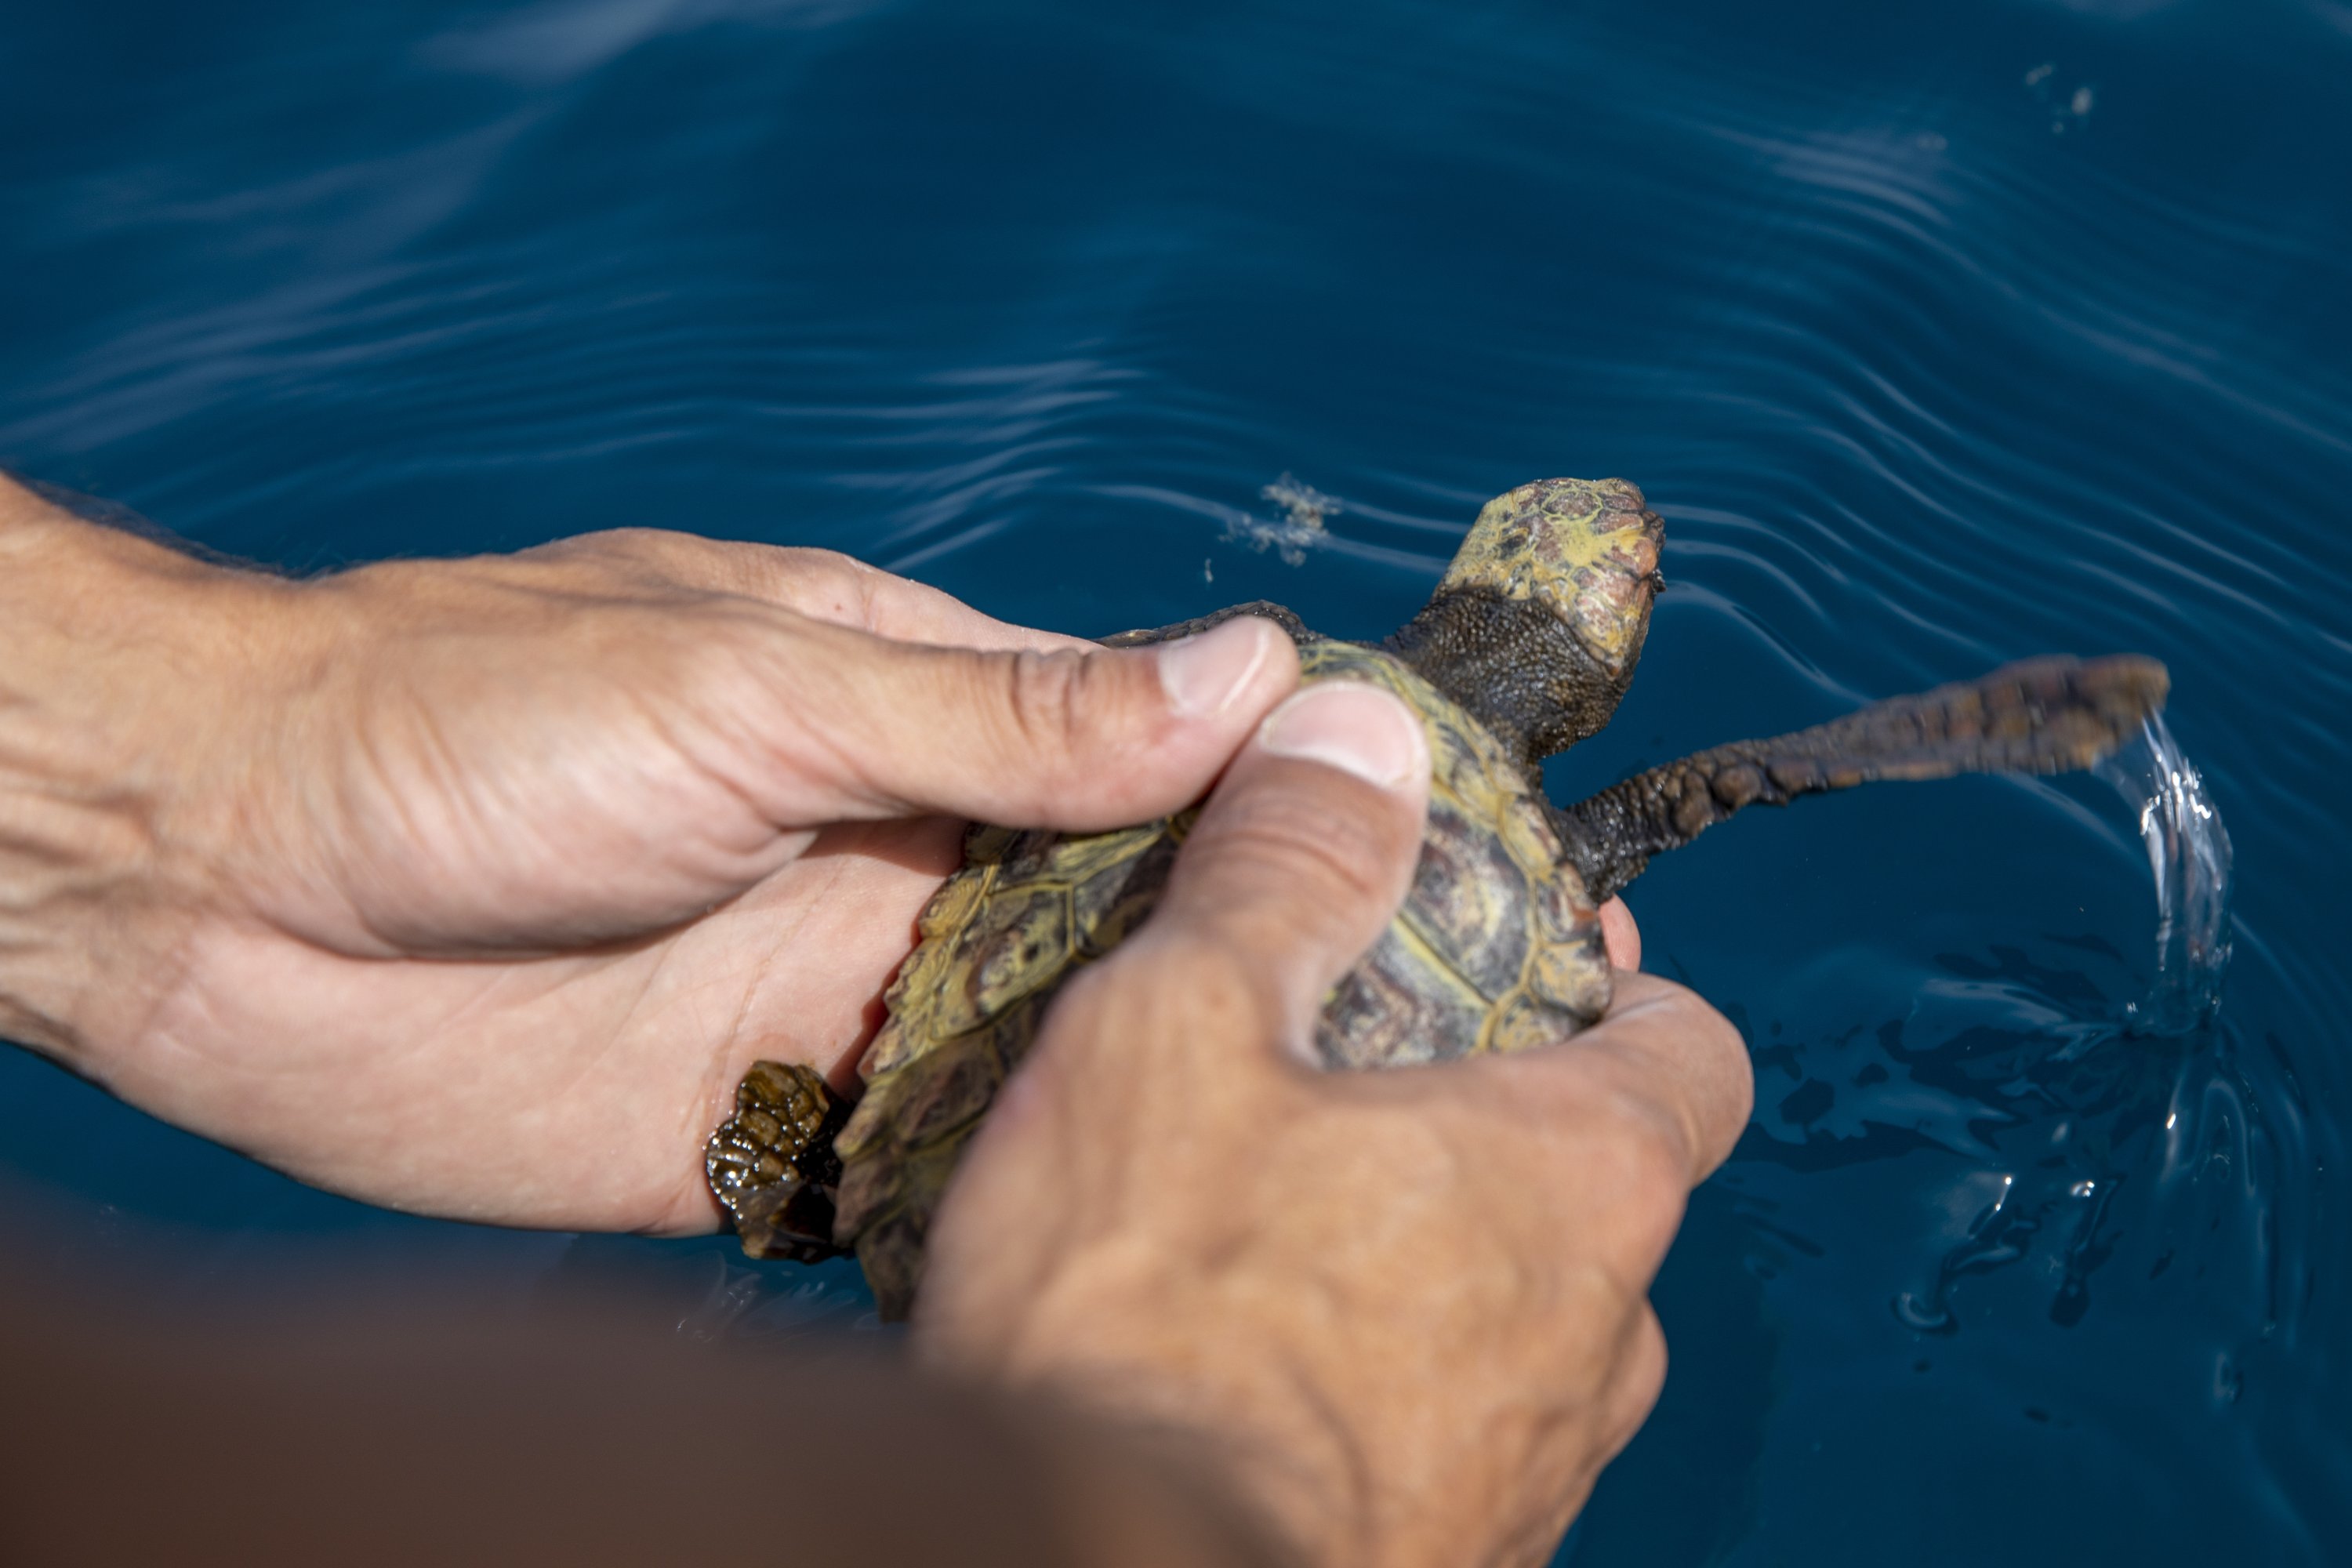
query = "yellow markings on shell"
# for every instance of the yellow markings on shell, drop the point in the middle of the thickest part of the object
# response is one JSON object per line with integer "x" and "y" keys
{"x": 1569, "y": 975}
{"x": 1520, "y": 1022}
{"x": 1418, "y": 943}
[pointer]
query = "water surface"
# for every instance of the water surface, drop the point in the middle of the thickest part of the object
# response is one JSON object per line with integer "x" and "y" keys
{"x": 1941, "y": 335}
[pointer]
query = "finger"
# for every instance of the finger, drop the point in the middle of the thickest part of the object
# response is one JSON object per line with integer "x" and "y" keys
{"x": 855, "y": 726}
{"x": 824, "y": 584}
{"x": 1304, "y": 852}
{"x": 1677, "y": 1056}
{"x": 1620, "y": 935}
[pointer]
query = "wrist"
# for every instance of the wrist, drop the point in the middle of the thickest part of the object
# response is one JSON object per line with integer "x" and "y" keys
{"x": 112, "y": 699}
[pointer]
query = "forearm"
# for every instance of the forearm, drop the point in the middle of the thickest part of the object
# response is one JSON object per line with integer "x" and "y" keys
{"x": 112, "y": 641}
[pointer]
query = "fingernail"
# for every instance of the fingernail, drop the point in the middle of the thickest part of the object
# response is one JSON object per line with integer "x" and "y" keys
{"x": 1348, "y": 725}
{"x": 1202, "y": 675}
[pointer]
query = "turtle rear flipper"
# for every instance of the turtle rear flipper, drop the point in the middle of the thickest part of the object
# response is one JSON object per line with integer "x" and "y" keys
{"x": 2041, "y": 716}
{"x": 773, "y": 1163}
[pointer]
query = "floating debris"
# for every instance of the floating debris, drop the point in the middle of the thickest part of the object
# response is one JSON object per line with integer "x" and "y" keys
{"x": 1292, "y": 535}
{"x": 1286, "y": 539}
{"x": 1308, "y": 506}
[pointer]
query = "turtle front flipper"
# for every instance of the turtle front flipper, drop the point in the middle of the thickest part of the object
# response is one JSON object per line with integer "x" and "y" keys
{"x": 2041, "y": 716}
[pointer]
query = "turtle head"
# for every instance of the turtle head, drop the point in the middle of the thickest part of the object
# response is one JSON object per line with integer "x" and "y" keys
{"x": 1538, "y": 625}
{"x": 1584, "y": 552}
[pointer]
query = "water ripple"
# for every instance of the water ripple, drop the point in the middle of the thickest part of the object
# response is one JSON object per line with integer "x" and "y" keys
{"x": 1927, "y": 364}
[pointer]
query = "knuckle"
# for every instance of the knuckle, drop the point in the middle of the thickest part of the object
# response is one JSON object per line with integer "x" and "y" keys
{"x": 821, "y": 583}
{"x": 621, "y": 543}
{"x": 1598, "y": 1299}
{"x": 808, "y": 561}
{"x": 1080, "y": 724}
{"x": 1641, "y": 1378}
{"x": 1045, "y": 700}
{"x": 643, "y": 558}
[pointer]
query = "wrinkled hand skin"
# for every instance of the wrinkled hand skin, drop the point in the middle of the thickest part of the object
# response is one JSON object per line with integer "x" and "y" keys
{"x": 1408, "y": 1308}
{"x": 473, "y": 887}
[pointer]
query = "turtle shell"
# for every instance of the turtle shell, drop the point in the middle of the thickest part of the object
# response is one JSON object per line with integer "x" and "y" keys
{"x": 1496, "y": 947}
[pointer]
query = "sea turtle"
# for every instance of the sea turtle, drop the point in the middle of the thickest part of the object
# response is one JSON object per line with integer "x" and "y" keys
{"x": 1524, "y": 648}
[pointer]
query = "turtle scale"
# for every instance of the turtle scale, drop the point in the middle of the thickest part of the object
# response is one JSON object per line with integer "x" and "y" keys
{"x": 1495, "y": 947}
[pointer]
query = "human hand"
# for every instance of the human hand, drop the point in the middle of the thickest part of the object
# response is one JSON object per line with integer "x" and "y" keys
{"x": 1407, "y": 1309}
{"x": 473, "y": 887}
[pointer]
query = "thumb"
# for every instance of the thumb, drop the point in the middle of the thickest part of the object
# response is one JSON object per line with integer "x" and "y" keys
{"x": 1304, "y": 851}
{"x": 1078, "y": 741}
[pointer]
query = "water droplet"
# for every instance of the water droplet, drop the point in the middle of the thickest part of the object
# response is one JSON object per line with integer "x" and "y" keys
{"x": 1927, "y": 1314}
{"x": 2188, "y": 853}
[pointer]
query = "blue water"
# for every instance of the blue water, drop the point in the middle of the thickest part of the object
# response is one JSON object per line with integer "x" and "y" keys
{"x": 1940, "y": 334}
